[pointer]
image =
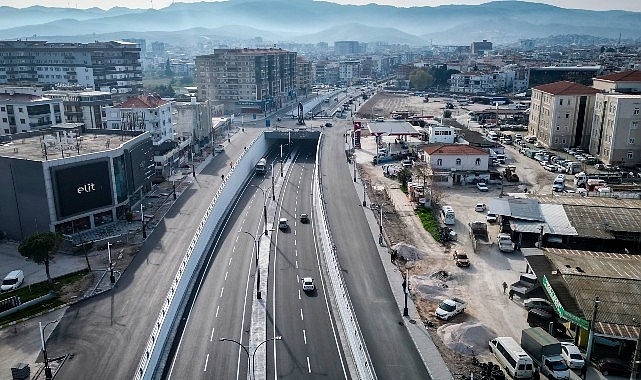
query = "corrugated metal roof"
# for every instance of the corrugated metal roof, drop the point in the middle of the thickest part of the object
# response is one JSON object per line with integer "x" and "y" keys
{"x": 498, "y": 206}
{"x": 395, "y": 127}
{"x": 528, "y": 226}
{"x": 526, "y": 209}
{"x": 557, "y": 220}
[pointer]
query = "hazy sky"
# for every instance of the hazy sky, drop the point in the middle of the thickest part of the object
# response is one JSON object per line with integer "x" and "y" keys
{"x": 628, "y": 5}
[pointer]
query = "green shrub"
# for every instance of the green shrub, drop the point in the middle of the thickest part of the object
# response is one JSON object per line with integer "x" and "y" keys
{"x": 429, "y": 221}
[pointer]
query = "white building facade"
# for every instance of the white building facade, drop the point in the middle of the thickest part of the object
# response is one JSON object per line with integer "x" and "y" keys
{"x": 143, "y": 113}
{"x": 28, "y": 110}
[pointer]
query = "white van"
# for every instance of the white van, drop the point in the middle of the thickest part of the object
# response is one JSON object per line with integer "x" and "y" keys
{"x": 447, "y": 214}
{"x": 12, "y": 281}
{"x": 512, "y": 358}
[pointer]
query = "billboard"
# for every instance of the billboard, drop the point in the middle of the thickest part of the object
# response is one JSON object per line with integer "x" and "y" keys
{"x": 82, "y": 188}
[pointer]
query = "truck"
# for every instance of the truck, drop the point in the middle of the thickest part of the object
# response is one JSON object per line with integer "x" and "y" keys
{"x": 545, "y": 351}
{"x": 510, "y": 174}
{"x": 526, "y": 284}
{"x": 478, "y": 232}
{"x": 261, "y": 166}
{"x": 505, "y": 243}
{"x": 581, "y": 179}
{"x": 449, "y": 308}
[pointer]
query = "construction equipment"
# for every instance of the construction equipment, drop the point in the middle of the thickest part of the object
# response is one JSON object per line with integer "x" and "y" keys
{"x": 510, "y": 174}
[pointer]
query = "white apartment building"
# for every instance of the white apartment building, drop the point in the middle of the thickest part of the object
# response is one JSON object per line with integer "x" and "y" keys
{"x": 616, "y": 133}
{"x": 26, "y": 109}
{"x": 143, "y": 113}
{"x": 441, "y": 134}
{"x": 349, "y": 71}
{"x": 561, "y": 114}
{"x": 509, "y": 80}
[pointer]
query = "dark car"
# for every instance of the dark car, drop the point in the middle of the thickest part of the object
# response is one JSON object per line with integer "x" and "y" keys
{"x": 613, "y": 366}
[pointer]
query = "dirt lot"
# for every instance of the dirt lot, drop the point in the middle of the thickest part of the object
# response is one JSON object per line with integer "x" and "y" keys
{"x": 489, "y": 312}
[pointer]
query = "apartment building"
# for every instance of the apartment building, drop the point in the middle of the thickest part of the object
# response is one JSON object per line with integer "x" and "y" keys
{"x": 616, "y": 137}
{"x": 561, "y": 114}
{"x": 83, "y": 106}
{"x": 481, "y": 47}
{"x": 246, "y": 80}
{"x": 349, "y": 72}
{"x": 304, "y": 76}
{"x": 143, "y": 113}
{"x": 26, "y": 109}
{"x": 103, "y": 66}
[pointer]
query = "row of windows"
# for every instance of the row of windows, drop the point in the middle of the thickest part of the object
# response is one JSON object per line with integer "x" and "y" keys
{"x": 439, "y": 162}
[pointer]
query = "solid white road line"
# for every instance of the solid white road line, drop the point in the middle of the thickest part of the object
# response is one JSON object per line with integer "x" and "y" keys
{"x": 206, "y": 361}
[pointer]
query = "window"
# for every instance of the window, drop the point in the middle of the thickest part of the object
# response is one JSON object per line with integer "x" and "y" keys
{"x": 636, "y": 111}
{"x": 439, "y": 162}
{"x": 477, "y": 162}
{"x": 567, "y": 115}
{"x": 631, "y": 140}
{"x": 561, "y": 102}
{"x": 630, "y": 155}
{"x": 458, "y": 162}
{"x": 2, "y": 109}
{"x": 634, "y": 125}
{"x": 22, "y": 121}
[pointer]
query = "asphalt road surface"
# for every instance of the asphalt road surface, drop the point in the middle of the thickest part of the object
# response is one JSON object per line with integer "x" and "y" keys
{"x": 106, "y": 334}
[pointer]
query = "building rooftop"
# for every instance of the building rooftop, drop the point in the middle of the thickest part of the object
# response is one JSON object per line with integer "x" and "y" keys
{"x": 566, "y": 88}
{"x": 623, "y": 76}
{"x": 455, "y": 149}
{"x": 143, "y": 101}
{"x": 391, "y": 127}
{"x": 61, "y": 143}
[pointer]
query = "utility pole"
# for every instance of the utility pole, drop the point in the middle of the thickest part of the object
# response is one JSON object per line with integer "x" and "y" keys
{"x": 637, "y": 353}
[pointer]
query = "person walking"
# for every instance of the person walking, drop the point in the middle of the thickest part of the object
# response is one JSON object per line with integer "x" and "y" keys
{"x": 504, "y": 287}
{"x": 584, "y": 371}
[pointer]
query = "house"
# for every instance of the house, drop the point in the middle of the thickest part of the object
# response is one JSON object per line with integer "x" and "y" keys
{"x": 457, "y": 163}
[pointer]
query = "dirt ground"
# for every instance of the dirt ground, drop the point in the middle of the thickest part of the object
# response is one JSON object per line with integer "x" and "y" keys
{"x": 434, "y": 276}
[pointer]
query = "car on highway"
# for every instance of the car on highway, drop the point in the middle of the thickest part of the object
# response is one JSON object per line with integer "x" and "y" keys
{"x": 482, "y": 186}
{"x": 282, "y": 224}
{"x": 572, "y": 355}
{"x": 329, "y": 124}
{"x": 461, "y": 259}
{"x": 304, "y": 218}
{"x": 308, "y": 284}
{"x": 613, "y": 366}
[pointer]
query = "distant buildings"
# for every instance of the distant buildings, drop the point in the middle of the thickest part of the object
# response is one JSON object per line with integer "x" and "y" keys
{"x": 103, "y": 66}
{"x": 246, "y": 80}
{"x": 480, "y": 48}
{"x": 550, "y": 74}
{"x": 26, "y": 109}
{"x": 349, "y": 47}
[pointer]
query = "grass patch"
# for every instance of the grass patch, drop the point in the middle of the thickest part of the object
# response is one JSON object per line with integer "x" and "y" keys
{"x": 429, "y": 221}
{"x": 33, "y": 291}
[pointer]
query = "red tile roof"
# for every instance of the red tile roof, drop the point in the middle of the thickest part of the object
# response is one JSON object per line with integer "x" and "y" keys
{"x": 623, "y": 76}
{"x": 143, "y": 101}
{"x": 566, "y": 88}
{"x": 455, "y": 149}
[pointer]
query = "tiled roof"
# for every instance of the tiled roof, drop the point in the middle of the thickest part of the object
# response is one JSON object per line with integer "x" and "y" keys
{"x": 566, "y": 88}
{"x": 143, "y": 101}
{"x": 455, "y": 149}
{"x": 623, "y": 76}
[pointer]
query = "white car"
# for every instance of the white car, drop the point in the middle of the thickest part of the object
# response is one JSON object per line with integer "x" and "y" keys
{"x": 282, "y": 224}
{"x": 572, "y": 355}
{"x": 537, "y": 303}
{"x": 219, "y": 148}
{"x": 480, "y": 207}
{"x": 491, "y": 217}
{"x": 308, "y": 284}
{"x": 482, "y": 186}
{"x": 12, "y": 281}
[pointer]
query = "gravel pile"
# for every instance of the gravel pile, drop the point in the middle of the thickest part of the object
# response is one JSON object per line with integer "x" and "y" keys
{"x": 407, "y": 252}
{"x": 467, "y": 338}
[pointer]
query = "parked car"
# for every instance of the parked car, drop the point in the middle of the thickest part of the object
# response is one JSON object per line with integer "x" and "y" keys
{"x": 572, "y": 355}
{"x": 613, "y": 366}
{"x": 480, "y": 207}
{"x": 329, "y": 124}
{"x": 537, "y": 303}
{"x": 482, "y": 186}
{"x": 219, "y": 148}
{"x": 461, "y": 259}
{"x": 491, "y": 218}
{"x": 406, "y": 163}
{"x": 308, "y": 284}
{"x": 12, "y": 280}
{"x": 282, "y": 224}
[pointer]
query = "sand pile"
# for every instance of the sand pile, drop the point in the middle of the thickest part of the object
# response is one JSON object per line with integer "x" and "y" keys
{"x": 468, "y": 338}
{"x": 407, "y": 251}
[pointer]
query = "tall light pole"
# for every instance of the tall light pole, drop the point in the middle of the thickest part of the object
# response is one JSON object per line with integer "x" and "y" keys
{"x": 112, "y": 278}
{"x": 142, "y": 219}
{"x": 273, "y": 196}
{"x": 281, "y": 160}
{"x": 406, "y": 289}
{"x": 251, "y": 357}
{"x": 48, "y": 375}
{"x": 588, "y": 352}
{"x": 257, "y": 243}
{"x": 264, "y": 206}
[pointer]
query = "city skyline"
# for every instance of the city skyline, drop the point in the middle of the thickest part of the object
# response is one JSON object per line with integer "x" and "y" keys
{"x": 627, "y": 5}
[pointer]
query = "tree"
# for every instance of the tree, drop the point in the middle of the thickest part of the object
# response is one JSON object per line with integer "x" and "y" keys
{"x": 420, "y": 79}
{"x": 41, "y": 247}
{"x": 168, "y": 72}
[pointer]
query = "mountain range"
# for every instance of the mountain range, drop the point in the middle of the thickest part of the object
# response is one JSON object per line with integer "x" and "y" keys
{"x": 309, "y": 21}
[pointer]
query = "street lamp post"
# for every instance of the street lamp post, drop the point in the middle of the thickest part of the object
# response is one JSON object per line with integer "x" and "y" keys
{"x": 142, "y": 220}
{"x": 364, "y": 193}
{"x": 251, "y": 357}
{"x": 273, "y": 196}
{"x": 406, "y": 289}
{"x": 588, "y": 352}
{"x": 264, "y": 206}
{"x": 112, "y": 278}
{"x": 257, "y": 243}
{"x": 48, "y": 375}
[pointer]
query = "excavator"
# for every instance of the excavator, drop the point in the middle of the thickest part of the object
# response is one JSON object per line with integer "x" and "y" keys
{"x": 510, "y": 174}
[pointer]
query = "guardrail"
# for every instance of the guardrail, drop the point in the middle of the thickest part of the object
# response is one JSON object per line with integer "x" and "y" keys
{"x": 355, "y": 340}
{"x": 161, "y": 334}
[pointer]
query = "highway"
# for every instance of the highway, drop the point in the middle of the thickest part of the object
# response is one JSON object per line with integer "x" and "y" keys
{"x": 309, "y": 348}
{"x": 390, "y": 346}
